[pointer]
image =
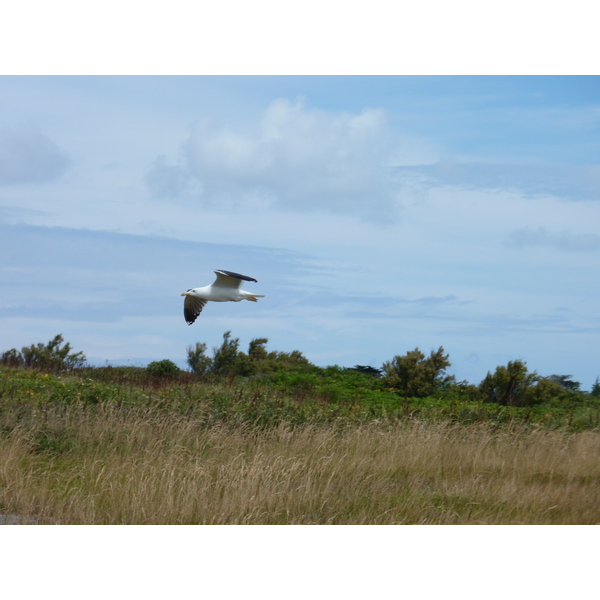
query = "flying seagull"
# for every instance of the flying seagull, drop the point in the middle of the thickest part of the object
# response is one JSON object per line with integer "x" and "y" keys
{"x": 226, "y": 288}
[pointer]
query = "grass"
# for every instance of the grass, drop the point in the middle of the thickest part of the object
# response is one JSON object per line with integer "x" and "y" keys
{"x": 76, "y": 450}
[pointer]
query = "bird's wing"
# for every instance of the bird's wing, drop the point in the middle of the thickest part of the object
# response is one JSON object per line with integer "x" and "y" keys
{"x": 192, "y": 307}
{"x": 228, "y": 279}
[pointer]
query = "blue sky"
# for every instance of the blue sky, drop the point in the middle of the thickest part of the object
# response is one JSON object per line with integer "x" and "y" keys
{"x": 378, "y": 214}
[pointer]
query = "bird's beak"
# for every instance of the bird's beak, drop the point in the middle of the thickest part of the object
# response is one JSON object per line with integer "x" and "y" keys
{"x": 185, "y": 294}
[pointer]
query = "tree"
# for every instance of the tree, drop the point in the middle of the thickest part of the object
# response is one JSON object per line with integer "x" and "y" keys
{"x": 545, "y": 389}
{"x": 227, "y": 360}
{"x": 55, "y": 355}
{"x": 12, "y": 358}
{"x": 259, "y": 360}
{"x": 257, "y": 350}
{"x": 413, "y": 375}
{"x": 566, "y": 382}
{"x": 596, "y": 388}
{"x": 197, "y": 360}
{"x": 508, "y": 385}
{"x": 367, "y": 370}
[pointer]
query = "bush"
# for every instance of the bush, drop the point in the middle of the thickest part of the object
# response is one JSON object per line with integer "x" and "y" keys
{"x": 12, "y": 358}
{"x": 197, "y": 360}
{"x": 508, "y": 385}
{"x": 55, "y": 355}
{"x": 265, "y": 362}
{"x": 546, "y": 389}
{"x": 414, "y": 376}
{"x": 227, "y": 360}
{"x": 513, "y": 385}
{"x": 367, "y": 370}
{"x": 163, "y": 368}
{"x": 462, "y": 391}
{"x": 566, "y": 382}
{"x": 257, "y": 350}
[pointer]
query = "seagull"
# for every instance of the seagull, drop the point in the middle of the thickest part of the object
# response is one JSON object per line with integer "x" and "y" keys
{"x": 226, "y": 288}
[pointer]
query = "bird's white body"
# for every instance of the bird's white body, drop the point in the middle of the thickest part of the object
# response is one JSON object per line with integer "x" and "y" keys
{"x": 220, "y": 294}
{"x": 226, "y": 288}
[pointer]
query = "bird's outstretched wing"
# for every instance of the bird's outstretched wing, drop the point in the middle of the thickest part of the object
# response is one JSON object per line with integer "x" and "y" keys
{"x": 192, "y": 307}
{"x": 230, "y": 280}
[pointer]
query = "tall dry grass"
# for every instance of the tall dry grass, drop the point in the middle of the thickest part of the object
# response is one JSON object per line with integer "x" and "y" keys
{"x": 78, "y": 465}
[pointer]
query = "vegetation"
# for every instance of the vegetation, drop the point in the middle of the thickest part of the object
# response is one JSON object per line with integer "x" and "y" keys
{"x": 513, "y": 385}
{"x": 56, "y": 355}
{"x": 197, "y": 360}
{"x": 163, "y": 368}
{"x": 229, "y": 361}
{"x": 267, "y": 437}
{"x": 110, "y": 465}
{"x": 415, "y": 376}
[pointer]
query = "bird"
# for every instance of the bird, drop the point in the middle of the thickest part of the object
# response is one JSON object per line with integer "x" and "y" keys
{"x": 225, "y": 288}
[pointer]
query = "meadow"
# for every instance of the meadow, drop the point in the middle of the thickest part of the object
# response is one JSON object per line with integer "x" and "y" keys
{"x": 333, "y": 446}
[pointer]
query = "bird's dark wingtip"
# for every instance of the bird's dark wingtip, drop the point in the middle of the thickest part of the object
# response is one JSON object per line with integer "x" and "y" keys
{"x": 236, "y": 275}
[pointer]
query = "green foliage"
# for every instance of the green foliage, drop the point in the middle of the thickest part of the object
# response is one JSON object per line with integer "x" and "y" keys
{"x": 543, "y": 389}
{"x": 28, "y": 387}
{"x": 566, "y": 382}
{"x": 508, "y": 385}
{"x": 263, "y": 362}
{"x": 12, "y": 358}
{"x": 414, "y": 376}
{"x": 257, "y": 350}
{"x": 197, "y": 360}
{"x": 318, "y": 395}
{"x": 513, "y": 385}
{"x": 267, "y": 387}
{"x": 367, "y": 370}
{"x": 56, "y": 355}
{"x": 51, "y": 441}
{"x": 163, "y": 368}
{"x": 228, "y": 360}
{"x": 461, "y": 391}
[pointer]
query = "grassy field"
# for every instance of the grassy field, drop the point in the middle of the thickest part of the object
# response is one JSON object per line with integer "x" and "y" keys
{"x": 91, "y": 449}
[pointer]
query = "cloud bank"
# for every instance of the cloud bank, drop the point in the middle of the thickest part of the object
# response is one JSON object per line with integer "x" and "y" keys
{"x": 562, "y": 241}
{"x": 295, "y": 158}
{"x": 572, "y": 182}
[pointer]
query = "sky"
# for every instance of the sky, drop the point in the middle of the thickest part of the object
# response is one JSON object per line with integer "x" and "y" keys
{"x": 378, "y": 214}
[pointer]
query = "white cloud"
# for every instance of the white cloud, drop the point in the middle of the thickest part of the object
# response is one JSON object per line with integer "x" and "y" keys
{"x": 28, "y": 156}
{"x": 295, "y": 158}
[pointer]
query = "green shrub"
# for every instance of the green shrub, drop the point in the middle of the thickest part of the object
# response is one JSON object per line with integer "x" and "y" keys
{"x": 566, "y": 382}
{"x": 414, "y": 376}
{"x": 461, "y": 391}
{"x": 367, "y": 370}
{"x": 227, "y": 360}
{"x": 55, "y": 355}
{"x": 513, "y": 385}
{"x": 163, "y": 368}
{"x": 197, "y": 360}
{"x": 508, "y": 385}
